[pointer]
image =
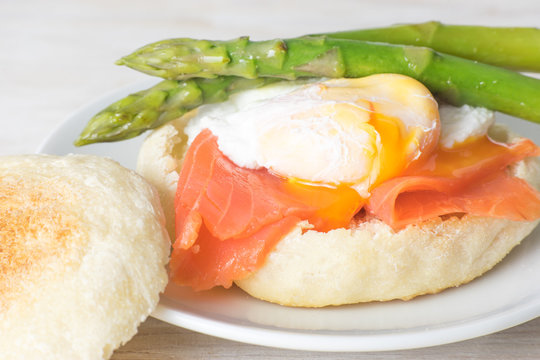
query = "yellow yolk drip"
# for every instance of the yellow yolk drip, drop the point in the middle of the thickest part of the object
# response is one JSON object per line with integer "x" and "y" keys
{"x": 336, "y": 205}
{"x": 443, "y": 162}
{"x": 392, "y": 157}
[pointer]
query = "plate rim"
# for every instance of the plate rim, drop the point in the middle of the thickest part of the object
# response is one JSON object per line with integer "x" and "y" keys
{"x": 384, "y": 340}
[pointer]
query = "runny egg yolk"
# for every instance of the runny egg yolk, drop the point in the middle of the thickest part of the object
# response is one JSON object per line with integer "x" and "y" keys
{"x": 449, "y": 163}
{"x": 349, "y": 132}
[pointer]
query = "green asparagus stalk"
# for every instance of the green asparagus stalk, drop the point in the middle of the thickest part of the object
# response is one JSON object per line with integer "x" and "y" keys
{"x": 159, "y": 104}
{"x": 516, "y": 48}
{"x": 453, "y": 79}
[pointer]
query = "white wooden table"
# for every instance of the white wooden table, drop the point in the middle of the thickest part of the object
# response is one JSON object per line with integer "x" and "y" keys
{"x": 58, "y": 55}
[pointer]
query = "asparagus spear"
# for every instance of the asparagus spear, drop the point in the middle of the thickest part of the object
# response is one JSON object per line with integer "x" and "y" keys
{"x": 163, "y": 102}
{"x": 515, "y": 48}
{"x": 455, "y": 80}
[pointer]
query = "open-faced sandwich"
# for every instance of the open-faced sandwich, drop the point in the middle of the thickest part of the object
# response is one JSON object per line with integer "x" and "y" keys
{"x": 341, "y": 191}
{"x": 342, "y": 170}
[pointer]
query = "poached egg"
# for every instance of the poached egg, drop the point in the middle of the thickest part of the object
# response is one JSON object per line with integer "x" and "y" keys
{"x": 341, "y": 132}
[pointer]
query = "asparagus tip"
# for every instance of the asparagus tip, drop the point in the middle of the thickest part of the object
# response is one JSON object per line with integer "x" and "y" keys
{"x": 81, "y": 142}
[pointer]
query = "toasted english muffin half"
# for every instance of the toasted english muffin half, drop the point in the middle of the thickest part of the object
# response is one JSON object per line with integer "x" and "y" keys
{"x": 83, "y": 253}
{"x": 368, "y": 261}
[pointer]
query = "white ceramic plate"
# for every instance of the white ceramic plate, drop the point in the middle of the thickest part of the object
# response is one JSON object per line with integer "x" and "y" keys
{"x": 506, "y": 296}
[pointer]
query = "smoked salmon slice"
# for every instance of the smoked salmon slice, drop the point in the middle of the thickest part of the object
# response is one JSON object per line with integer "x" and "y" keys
{"x": 223, "y": 211}
{"x": 473, "y": 180}
{"x": 214, "y": 262}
